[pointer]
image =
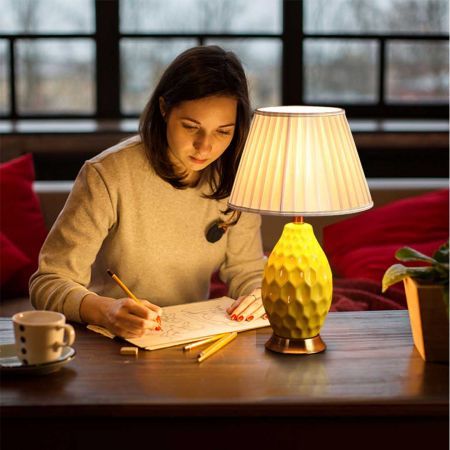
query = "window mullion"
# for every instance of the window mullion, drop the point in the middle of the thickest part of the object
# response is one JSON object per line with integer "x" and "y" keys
{"x": 292, "y": 58}
{"x": 382, "y": 67}
{"x": 107, "y": 59}
{"x": 12, "y": 80}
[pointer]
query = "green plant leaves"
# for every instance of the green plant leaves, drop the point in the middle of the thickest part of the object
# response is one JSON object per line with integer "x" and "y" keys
{"x": 441, "y": 254}
{"x": 398, "y": 272}
{"x": 436, "y": 273}
{"x": 409, "y": 254}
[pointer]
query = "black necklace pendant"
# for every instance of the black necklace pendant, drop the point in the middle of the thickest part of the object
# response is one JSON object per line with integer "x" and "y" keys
{"x": 214, "y": 233}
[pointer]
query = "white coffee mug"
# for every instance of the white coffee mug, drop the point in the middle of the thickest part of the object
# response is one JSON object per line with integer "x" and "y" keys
{"x": 41, "y": 335}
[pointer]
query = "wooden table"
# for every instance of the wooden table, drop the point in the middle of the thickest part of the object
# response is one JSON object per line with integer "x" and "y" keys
{"x": 369, "y": 389}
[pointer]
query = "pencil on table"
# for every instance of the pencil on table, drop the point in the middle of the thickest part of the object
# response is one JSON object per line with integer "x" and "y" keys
{"x": 216, "y": 346}
{"x": 204, "y": 341}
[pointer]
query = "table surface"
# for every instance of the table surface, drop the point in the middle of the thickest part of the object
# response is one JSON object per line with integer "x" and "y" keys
{"x": 370, "y": 368}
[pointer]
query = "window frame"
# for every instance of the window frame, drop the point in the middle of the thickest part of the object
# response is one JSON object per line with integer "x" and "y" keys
{"x": 107, "y": 38}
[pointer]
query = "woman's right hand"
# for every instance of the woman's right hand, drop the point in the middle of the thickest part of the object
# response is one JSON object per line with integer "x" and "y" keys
{"x": 123, "y": 317}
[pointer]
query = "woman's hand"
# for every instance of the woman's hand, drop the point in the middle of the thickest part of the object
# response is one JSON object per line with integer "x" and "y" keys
{"x": 248, "y": 307}
{"x": 123, "y": 317}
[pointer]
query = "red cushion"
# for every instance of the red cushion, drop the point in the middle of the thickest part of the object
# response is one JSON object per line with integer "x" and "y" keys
{"x": 371, "y": 261}
{"x": 364, "y": 246}
{"x": 21, "y": 219}
{"x": 12, "y": 260}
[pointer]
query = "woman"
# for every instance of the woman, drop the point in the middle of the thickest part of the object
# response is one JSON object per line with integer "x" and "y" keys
{"x": 146, "y": 209}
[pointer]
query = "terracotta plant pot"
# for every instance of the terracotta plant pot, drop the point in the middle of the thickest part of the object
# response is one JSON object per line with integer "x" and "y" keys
{"x": 429, "y": 319}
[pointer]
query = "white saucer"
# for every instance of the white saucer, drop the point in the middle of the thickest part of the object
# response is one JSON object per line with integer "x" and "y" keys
{"x": 10, "y": 363}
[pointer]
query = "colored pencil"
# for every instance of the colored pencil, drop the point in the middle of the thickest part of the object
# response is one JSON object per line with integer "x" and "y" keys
{"x": 122, "y": 285}
{"x": 216, "y": 346}
{"x": 204, "y": 341}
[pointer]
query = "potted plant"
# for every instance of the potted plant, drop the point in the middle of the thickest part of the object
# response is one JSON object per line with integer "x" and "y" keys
{"x": 426, "y": 289}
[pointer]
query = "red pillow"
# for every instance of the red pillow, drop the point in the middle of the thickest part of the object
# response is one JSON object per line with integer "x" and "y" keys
{"x": 21, "y": 219}
{"x": 12, "y": 260}
{"x": 364, "y": 246}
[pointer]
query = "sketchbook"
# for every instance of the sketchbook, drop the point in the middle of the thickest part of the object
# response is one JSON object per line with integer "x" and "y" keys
{"x": 190, "y": 322}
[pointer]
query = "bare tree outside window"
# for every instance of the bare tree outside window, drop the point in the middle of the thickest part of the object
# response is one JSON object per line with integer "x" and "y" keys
{"x": 417, "y": 72}
{"x": 200, "y": 16}
{"x": 261, "y": 59}
{"x": 4, "y": 77}
{"x": 52, "y": 75}
{"x": 376, "y": 16}
{"x": 142, "y": 64}
{"x": 345, "y": 71}
{"x": 339, "y": 70}
{"x": 55, "y": 76}
{"x": 47, "y": 16}
{"x": 142, "y": 61}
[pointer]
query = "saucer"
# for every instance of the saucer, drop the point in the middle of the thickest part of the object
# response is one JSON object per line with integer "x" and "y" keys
{"x": 10, "y": 363}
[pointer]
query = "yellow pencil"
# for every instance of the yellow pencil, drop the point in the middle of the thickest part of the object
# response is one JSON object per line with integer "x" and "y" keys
{"x": 204, "y": 341}
{"x": 125, "y": 289}
{"x": 216, "y": 346}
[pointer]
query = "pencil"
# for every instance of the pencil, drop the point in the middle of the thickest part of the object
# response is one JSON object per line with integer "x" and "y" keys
{"x": 216, "y": 346}
{"x": 125, "y": 289}
{"x": 129, "y": 293}
{"x": 204, "y": 341}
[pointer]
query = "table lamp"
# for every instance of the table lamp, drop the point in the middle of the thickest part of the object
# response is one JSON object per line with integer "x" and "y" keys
{"x": 299, "y": 161}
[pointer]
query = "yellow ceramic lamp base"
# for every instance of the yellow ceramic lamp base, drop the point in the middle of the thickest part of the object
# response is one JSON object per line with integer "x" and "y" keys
{"x": 296, "y": 291}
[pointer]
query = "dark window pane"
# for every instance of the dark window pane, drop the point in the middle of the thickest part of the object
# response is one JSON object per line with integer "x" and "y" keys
{"x": 202, "y": 16}
{"x": 261, "y": 59}
{"x": 142, "y": 63}
{"x": 55, "y": 75}
{"x": 47, "y": 16}
{"x": 417, "y": 72}
{"x": 4, "y": 77}
{"x": 376, "y": 16}
{"x": 340, "y": 71}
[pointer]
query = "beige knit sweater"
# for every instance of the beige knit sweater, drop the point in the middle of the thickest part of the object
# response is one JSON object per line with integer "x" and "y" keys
{"x": 122, "y": 216}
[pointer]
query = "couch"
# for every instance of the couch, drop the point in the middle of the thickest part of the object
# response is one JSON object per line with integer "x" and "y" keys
{"x": 53, "y": 194}
{"x": 359, "y": 247}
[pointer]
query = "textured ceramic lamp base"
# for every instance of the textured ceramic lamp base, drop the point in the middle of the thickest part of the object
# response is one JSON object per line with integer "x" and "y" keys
{"x": 306, "y": 346}
{"x": 296, "y": 291}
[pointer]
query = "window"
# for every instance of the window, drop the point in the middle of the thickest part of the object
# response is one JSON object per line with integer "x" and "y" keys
{"x": 102, "y": 58}
{"x": 377, "y": 57}
{"x": 47, "y": 58}
{"x": 150, "y": 41}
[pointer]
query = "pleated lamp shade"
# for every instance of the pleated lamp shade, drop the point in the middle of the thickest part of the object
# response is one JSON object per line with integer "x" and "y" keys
{"x": 300, "y": 161}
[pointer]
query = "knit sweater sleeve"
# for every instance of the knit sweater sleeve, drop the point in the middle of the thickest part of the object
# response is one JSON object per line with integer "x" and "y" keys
{"x": 243, "y": 267}
{"x": 71, "y": 247}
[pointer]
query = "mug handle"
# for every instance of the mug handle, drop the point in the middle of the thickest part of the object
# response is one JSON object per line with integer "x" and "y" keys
{"x": 69, "y": 336}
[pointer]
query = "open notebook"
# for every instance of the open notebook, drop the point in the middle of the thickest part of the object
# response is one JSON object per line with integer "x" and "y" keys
{"x": 190, "y": 322}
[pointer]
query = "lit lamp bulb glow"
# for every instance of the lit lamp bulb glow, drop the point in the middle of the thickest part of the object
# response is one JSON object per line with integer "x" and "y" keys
{"x": 299, "y": 161}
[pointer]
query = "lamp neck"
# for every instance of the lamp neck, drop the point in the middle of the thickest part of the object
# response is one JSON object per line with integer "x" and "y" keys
{"x": 298, "y": 219}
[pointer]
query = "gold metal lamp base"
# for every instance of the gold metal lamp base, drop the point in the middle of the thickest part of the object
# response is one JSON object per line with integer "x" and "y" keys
{"x": 306, "y": 346}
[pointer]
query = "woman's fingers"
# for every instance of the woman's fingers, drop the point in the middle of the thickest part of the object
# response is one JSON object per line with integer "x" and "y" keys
{"x": 260, "y": 312}
{"x": 153, "y": 308}
{"x": 143, "y": 309}
{"x": 133, "y": 319}
{"x": 136, "y": 324}
{"x": 235, "y": 304}
{"x": 247, "y": 307}
{"x": 243, "y": 304}
{"x": 248, "y": 312}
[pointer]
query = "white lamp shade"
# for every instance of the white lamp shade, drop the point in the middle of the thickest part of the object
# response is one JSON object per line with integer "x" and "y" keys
{"x": 300, "y": 161}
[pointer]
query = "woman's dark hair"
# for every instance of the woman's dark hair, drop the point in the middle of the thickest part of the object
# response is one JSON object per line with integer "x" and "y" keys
{"x": 197, "y": 73}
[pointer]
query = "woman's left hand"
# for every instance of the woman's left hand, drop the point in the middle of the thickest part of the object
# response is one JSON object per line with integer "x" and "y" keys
{"x": 247, "y": 307}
